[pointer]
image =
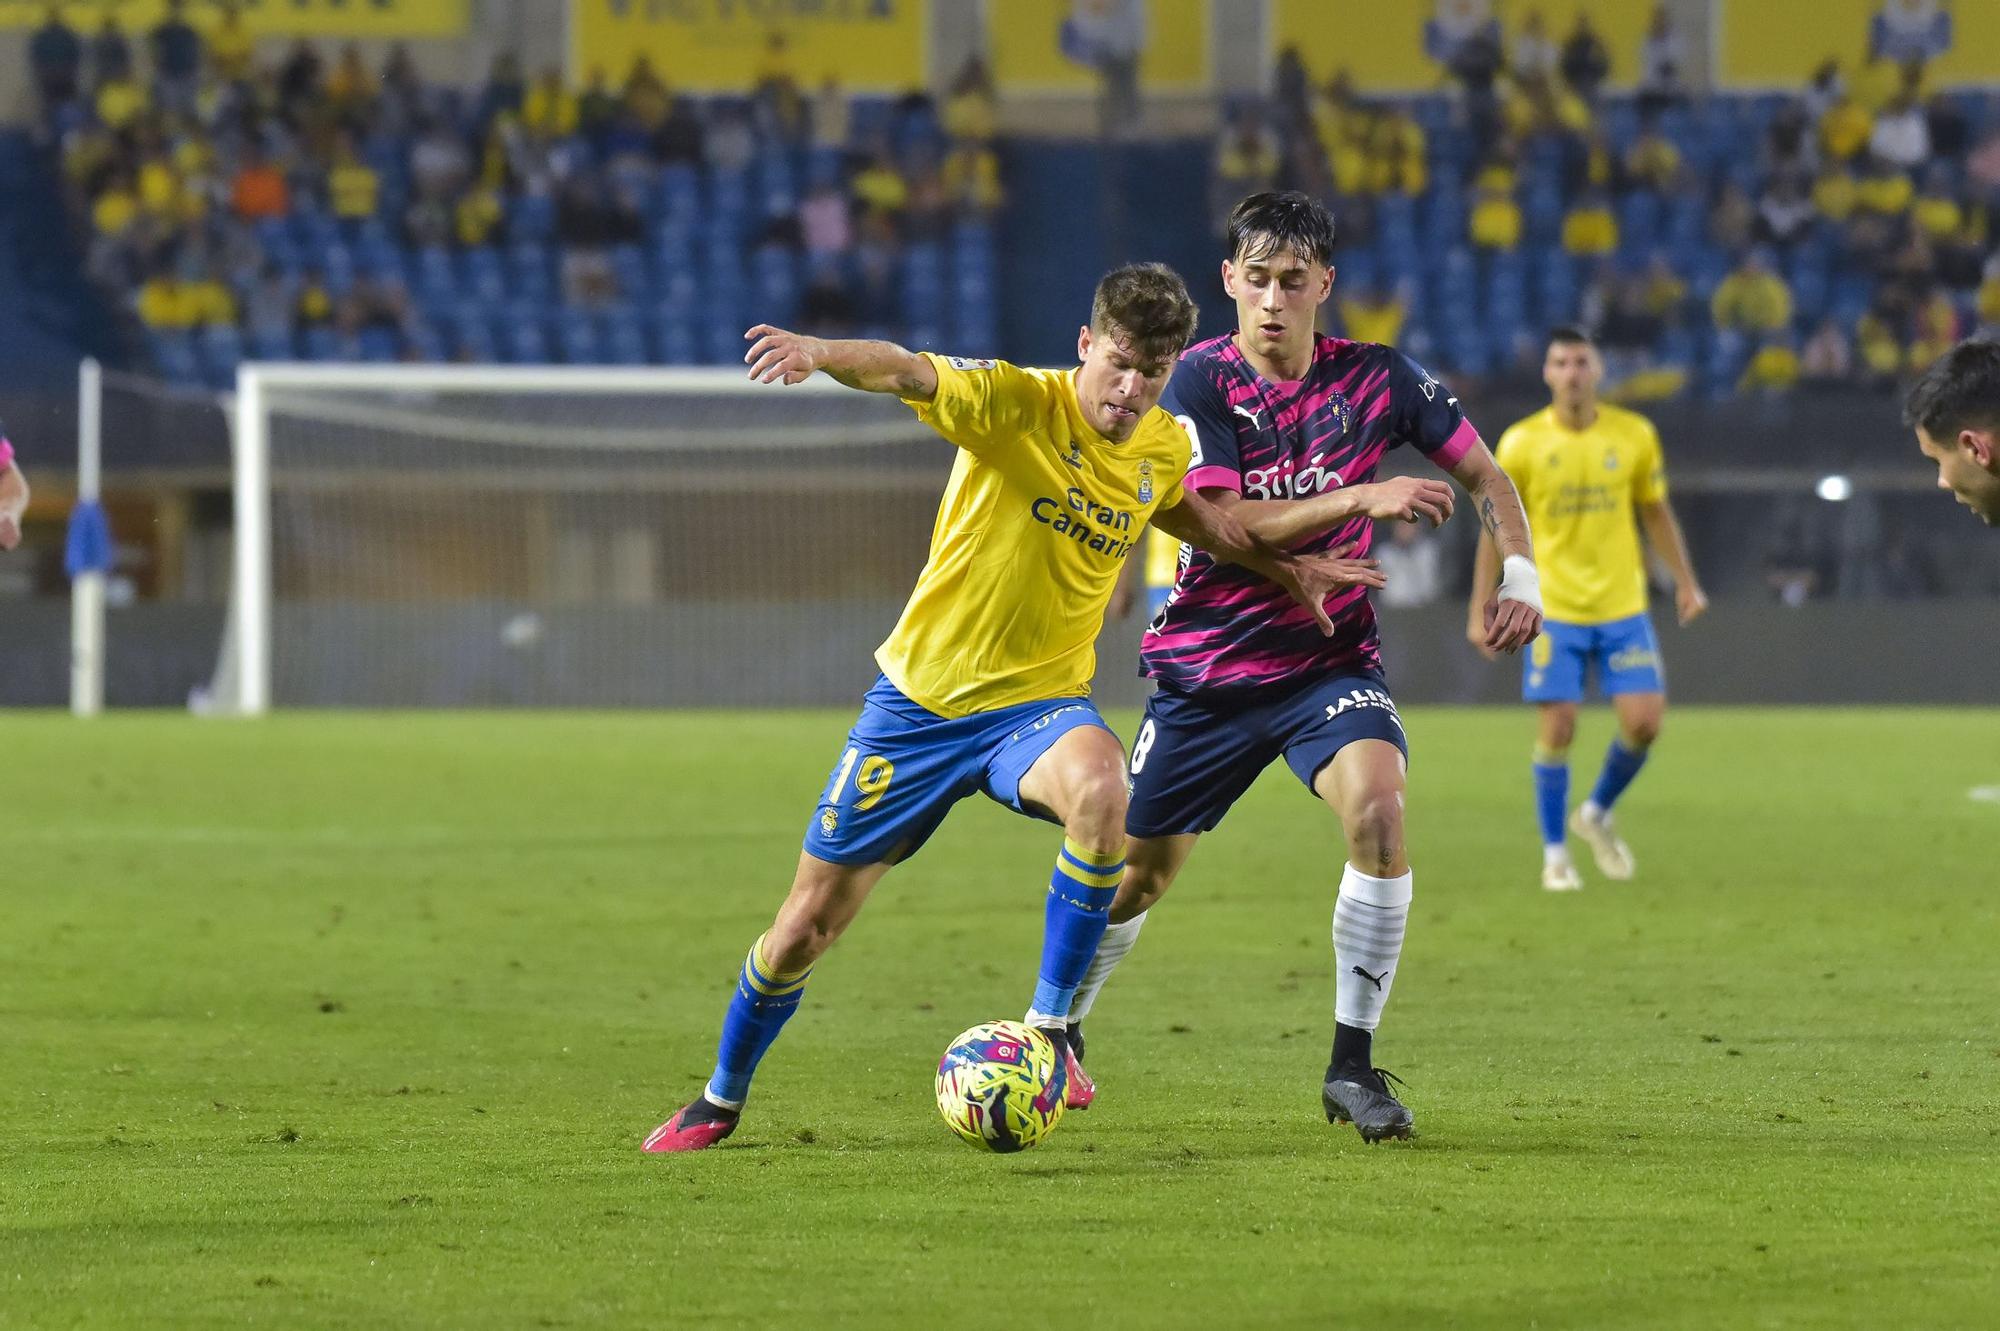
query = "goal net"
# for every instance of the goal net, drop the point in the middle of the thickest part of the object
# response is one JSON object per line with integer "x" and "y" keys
{"x": 491, "y": 536}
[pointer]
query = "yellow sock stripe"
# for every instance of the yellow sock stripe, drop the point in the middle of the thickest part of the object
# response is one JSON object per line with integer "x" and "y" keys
{"x": 765, "y": 978}
{"x": 1091, "y": 868}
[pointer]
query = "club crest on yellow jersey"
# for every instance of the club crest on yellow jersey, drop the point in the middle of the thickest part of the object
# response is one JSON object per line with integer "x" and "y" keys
{"x": 1145, "y": 481}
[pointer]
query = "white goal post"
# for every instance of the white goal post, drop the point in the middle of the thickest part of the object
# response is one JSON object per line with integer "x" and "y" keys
{"x": 554, "y": 536}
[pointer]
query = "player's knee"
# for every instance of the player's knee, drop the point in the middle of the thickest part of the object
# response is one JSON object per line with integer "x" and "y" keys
{"x": 1641, "y": 731}
{"x": 1557, "y": 733}
{"x": 1097, "y": 811}
{"x": 1375, "y": 827}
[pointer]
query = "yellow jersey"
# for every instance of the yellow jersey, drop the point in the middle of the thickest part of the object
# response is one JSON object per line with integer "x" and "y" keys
{"x": 1163, "y": 560}
{"x": 1579, "y": 487}
{"x": 1031, "y": 535}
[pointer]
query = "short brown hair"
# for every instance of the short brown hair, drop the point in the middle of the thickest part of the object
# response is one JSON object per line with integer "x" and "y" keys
{"x": 1150, "y": 305}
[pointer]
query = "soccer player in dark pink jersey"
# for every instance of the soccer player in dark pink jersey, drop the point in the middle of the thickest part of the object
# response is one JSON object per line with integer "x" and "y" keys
{"x": 1289, "y": 428}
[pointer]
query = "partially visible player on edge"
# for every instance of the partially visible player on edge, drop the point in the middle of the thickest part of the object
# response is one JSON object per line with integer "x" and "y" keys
{"x": 986, "y": 678}
{"x": 1289, "y": 428}
{"x": 1955, "y": 410}
{"x": 13, "y": 495}
{"x": 1585, "y": 469}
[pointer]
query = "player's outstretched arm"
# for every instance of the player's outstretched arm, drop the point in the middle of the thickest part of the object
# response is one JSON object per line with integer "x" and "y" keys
{"x": 13, "y": 503}
{"x": 1663, "y": 530}
{"x": 779, "y": 355}
{"x": 1287, "y": 521}
{"x": 1307, "y": 579}
{"x": 1506, "y": 618}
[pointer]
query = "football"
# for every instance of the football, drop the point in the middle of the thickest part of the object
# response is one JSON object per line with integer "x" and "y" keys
{"x": 1000, "y": 1086}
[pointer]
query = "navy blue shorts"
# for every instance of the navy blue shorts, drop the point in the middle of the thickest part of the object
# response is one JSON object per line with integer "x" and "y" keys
{"x": 1196, "y": 753}
{"x": 903, "y": 767}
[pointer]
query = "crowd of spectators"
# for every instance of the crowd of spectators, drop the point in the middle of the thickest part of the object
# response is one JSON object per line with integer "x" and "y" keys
{"x": 329, "y": 209}
{"x": 1727, "y": 243}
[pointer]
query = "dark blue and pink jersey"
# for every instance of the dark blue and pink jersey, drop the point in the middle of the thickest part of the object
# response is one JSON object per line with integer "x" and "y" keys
{"x": 1226, "y": 627}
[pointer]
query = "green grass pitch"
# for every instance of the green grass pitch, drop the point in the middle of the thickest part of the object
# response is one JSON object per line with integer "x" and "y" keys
{"x": 359, "y": 1020}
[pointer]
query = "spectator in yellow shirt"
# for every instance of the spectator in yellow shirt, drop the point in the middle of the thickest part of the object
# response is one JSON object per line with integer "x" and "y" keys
{"x": 549, "y": 109}
{"x": 972, "y": 177}
{"x": 351, "y": 184}
{"x": 1773, "y": 370}
{"x": 1835, "y": 192}
{"x": 1844, "y": 129}
{"x": 1590, "y": 229}
{"x": 162, "y": 304}
{"x": 119, "y": 102}
{"x": 116, "y": 208}
{"x": 1935, "y": 211}
{"x": 972, "y": 111}
{"x": 1752, "y": 299}
{"x": 1989, "y": 295}
{"x": 1368, "y": 314}
{"x": 1937, "y": 330}
{"x": 1882, "y": 353}
{"x": 230, "y": 45}
{"x": 476, "y": 216}
{"x": 1662, "y": 293}
{"x": 1653, "y": 160}
{"x": 1495, "y": 223}
{"x": 881, "y": 187}
{"x": 1398, "y": 144}
{"x": 1885, "y": 190}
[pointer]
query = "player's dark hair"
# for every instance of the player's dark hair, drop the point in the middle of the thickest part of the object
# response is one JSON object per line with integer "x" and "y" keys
{"x": 1150, "y": 305}
{"x": 1569, "y": 335}
{"x": 1276, "y": 220}
{"x": 1960, "y": 391}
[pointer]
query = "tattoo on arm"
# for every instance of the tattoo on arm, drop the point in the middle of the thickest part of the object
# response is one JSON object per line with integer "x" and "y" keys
{"x": 1488, "y": 517}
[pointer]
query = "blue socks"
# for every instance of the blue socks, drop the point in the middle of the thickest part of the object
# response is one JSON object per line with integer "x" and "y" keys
{"x": 1079, "y": 908}
{"x": 764, "y": 1001}
{"x": 1620, "y": 766}
{"x": 1551, "y": 796}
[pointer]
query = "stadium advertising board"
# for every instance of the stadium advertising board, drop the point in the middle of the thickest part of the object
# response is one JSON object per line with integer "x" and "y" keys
{"x": 725, "y": 45}
{"x": 276, "y": 18}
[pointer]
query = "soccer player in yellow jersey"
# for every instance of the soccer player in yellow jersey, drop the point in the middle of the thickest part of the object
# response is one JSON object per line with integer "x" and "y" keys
{"x": 1955, "y": 410}
{"x": 1586, "y": 470}
{"x": 985, "y": 683}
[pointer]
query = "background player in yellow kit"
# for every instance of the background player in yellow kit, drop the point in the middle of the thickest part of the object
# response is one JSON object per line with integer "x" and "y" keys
{"x": 1590, "y": 475}
{"x": 985, "y": 679}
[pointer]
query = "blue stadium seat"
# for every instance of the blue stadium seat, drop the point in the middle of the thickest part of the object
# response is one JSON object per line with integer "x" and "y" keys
{"x": 319, "y": 343}
{"x": 624, "y": 339}
{"x": 577, "y": 336}
{"x": 426, "y": 342}
{"x": 380, "y": 345}
{"x": 436, "y": 278}
{"x": 634, "y": 274}
{"x": 530, "y": 217}
{"x": 679, "y": 192}
{"x": 674, "y": 340}
{"x": 483, "y": 274}
{"x": 221, "y": 348}
{"x": 530, "y": 270}
{"x": 526, "y": 343}
{"x": 273, "y": 344}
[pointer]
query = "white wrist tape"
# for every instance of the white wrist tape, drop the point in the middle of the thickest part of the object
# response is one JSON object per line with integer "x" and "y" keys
{"x": 1520, "y": 581}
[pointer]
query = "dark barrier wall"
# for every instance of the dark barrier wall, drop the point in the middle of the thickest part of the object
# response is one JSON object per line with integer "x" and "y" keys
{"x": 718, "y": 655}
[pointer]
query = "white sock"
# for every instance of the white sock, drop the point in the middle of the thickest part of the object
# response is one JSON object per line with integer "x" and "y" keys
{"x": 1554, "y": 855}
{"x": 1111, "y": 950}
{"x": 1368, "y": 921}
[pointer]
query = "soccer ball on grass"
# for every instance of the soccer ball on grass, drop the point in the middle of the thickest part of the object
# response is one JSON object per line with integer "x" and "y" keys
{"x": 1000, "y": 1086}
